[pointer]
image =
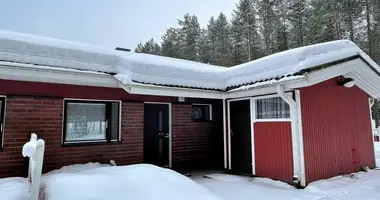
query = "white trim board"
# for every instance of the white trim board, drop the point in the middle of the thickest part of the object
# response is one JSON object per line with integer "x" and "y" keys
{"x": 4, "y": 118}
{"x": 372, "y": 135}
{"x": 229, "y": 134}
{"x": 56, "y": 75}
{"x": 252, "y": 111}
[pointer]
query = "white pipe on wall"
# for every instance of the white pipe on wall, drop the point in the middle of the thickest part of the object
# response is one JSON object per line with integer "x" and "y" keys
{"x": 297, "y": 172}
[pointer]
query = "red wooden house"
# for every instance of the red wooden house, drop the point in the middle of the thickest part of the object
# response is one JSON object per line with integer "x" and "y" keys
{"x": 296, "y": 116}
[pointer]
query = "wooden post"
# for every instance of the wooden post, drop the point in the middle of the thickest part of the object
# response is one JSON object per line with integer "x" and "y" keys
{"x": 34, "y": 149}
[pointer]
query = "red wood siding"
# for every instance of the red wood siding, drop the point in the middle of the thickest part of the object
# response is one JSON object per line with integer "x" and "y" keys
{"x": 196, "y": 144}
{"x": 336, "y": 130}
{"x": 273, "y": 150}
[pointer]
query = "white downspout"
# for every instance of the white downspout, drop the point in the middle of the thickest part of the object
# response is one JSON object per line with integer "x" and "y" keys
{"x": 297, "y": 172}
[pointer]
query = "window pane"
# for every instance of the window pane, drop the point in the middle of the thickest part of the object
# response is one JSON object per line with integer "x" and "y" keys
{"x": 115, "y": 121}
{"x": 161, "y": 121}
{"x": 201, "y": 113}
{"x": 272, "y": 108}
{"x": 85, "y": 121}
{"x": 198, "y": 113}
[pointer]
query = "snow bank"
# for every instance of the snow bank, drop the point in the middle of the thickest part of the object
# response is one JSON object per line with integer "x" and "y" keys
{"x": 14, "y": 189}
{"x": 143, "y": 182}
{"x": 142, "y": 68}
{"x": 377, "y": 154}
{"x": 232, "y": 187}
{"x": 77, "y": 168}
{"x": 362, "y": 185}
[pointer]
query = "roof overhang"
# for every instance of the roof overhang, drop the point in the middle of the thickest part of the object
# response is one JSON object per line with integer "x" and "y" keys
{"x": 45, "y": 74}
{"x": 366, "y": 78}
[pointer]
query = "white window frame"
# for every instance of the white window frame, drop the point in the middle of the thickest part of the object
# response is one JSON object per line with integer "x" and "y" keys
{"x": 63, "y": 142}
{"x": 254, "y": 116}
{"x": 202, "y": 104}
{"x": 3, "y": 122}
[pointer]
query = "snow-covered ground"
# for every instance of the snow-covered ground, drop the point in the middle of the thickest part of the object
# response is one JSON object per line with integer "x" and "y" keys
{"x": 147, "y": 182}
{"x": 14, "y": 189}
{"x": 363, "y": 185}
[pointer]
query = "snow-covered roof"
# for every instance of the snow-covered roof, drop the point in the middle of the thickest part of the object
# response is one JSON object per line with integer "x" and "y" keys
{"x": 132, "y": 68}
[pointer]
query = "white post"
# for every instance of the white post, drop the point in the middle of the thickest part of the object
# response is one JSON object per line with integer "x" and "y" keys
{"x": 34, "y": 149}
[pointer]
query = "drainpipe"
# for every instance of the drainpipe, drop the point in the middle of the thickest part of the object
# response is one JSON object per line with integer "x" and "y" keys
{"x": 297, "y": 174}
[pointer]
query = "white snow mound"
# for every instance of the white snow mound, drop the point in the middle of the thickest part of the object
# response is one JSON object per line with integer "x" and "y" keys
{"x": 142, "y": 181}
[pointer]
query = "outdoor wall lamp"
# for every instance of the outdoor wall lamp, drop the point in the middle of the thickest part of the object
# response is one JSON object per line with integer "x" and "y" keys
{"x": 346, "y": 82}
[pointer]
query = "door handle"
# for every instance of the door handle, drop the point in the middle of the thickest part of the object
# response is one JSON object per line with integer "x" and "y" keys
{"x": 232, "y": 133}
{"x": 161, "y": 134}
{"x": 165, "y": 135}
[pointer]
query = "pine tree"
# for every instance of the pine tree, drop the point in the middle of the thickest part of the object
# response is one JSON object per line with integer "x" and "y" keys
{"x": 190, "y": 34}
{"x": 298, "y": 15}
{"x": 150, "y": 47}
{"x": 263, "y": 27}
{"x": 374, "y": 31}
{"x": 320, "y": 27}
{"x": 281, "y": 25}
{"x": 222, "y": 43}
{"x": 239, "y": 52}
{"x": 170, "y": 45}
{"x": 211, "y": 35}
{"x": 267, "y": 21}
{"x": 245, "y": 22}
{"x": 205, "y": 48}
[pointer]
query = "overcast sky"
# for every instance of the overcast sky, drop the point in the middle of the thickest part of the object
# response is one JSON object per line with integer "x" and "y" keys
{"x": 108, "y": 23}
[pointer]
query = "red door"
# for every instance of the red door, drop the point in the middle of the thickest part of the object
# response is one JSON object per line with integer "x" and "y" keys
{"x": 273, "y": 150}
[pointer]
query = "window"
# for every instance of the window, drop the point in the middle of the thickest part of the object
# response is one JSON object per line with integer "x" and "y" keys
{"x": 91, "y": 121}
{"x": 272, "y": 108}
{"x": 2, "y": 115}
{"x": 201, "y": 112}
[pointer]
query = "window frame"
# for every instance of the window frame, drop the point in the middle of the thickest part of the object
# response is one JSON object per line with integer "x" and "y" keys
{"x": 255, "y": 119}
{"x": 2, "y": 119}
{"x": 108, "y": 139}
{"x": 200, "y": 120}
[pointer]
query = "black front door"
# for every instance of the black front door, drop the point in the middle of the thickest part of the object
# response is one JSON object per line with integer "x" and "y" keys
{"x": 156, "y": 134}
{"x": 240, "y": 122}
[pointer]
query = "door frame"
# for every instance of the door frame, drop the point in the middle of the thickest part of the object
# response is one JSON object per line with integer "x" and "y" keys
{"x": 252, "y": 107}
{"x": 3, "y": 112}
{"x": 170, "y": 127}
{"x": 229, "y": 130}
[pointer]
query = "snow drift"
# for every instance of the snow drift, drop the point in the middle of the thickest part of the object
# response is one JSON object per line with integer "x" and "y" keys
{"x": 142, "y": 181}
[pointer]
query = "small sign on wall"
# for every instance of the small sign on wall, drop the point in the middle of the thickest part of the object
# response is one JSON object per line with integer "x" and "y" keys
{"x": 181, "y": 99}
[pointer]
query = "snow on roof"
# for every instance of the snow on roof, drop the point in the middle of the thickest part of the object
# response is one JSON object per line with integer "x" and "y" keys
{"x": 149, "y": 69}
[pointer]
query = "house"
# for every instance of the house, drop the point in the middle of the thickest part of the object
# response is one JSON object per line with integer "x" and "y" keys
{"x": 296, "y": 116}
